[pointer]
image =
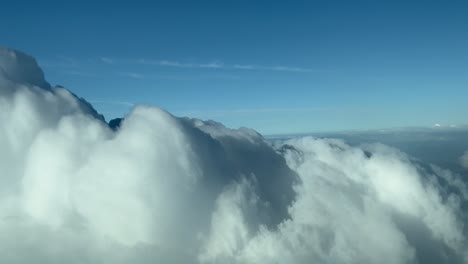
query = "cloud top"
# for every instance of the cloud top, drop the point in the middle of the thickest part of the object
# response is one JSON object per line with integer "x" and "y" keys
{"x": 21, "y": 68}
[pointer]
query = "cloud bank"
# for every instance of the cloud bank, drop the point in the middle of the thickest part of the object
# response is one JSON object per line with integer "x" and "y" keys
{"x": 162, "y": 189}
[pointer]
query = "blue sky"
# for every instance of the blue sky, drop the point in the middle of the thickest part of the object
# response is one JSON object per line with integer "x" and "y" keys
{"x": 278, "y": 67}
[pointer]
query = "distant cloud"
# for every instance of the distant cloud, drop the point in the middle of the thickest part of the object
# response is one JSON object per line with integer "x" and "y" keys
{"x": 220, "y": 65}
{"x": 107, "y": 60}
{"x": 133, "y": 75}
{"x": 253, "y": 111}
{"x": 177, "y": 77}
{"x": 73, "y": 66}
{"x": 445, "y": 126}
{"x": 464, "y": 160}
{"x": 123, "y": 103}
{"x": 213, "y": 65}
{"x": 275, "y": 68}
{"x": 290, "y": 69}
{"x": 244, "y": 67}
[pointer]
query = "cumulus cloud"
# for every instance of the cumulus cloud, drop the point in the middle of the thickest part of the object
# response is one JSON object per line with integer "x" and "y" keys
{"x": 178, "y": 190}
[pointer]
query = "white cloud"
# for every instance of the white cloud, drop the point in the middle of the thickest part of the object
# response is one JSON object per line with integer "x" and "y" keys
{"x": 177, "y": 190}
{"x": 213, "y": 65}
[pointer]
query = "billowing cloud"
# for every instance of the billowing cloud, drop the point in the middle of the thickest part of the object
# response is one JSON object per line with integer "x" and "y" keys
{"x": 177, "y": 190}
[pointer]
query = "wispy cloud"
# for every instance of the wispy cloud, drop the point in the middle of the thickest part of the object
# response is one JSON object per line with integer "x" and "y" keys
{"x": 132, "y": 75}
{"x": 290, "y": 69}
{"x": 110, "y": 102}
{"x": 73, "y": 66}
{"x": 220, "y": 65}
{"x": 244, "y": 67}
{"x": 252, "y": 111}
{"x": 168, "y": 63}
{"x": 106, "y": 60}
{"x": 179, "y": 77}
{"x": 274, "y": 68}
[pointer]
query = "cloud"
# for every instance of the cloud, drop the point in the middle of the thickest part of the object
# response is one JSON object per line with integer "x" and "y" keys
{"x": 220, "y": 65}
{"x": 464, "y": 160}
{"x": 179, "y": 190}
{"x": 78, "y": 67}
{"x": 107, "y": 102}
{"x": 275, "y": 68}
{"x": 107, "y": 60}
{"x": 133, "y": 75}
{"x": 212, "y": 65}
{"x": 218, "y": 113}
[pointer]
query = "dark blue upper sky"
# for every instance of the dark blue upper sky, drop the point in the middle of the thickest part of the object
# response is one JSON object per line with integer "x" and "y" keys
{"x": 279, "y": 67}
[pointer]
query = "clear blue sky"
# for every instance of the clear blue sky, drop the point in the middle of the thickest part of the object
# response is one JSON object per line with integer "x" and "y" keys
{"x": 278, "y": 67}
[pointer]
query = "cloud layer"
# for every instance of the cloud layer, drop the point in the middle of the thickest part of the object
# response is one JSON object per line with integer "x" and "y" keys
{"x": 177, "y": 190}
